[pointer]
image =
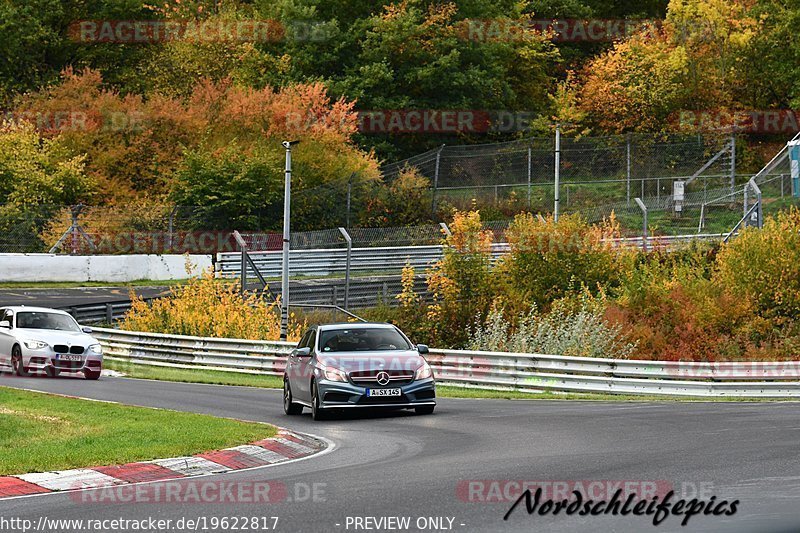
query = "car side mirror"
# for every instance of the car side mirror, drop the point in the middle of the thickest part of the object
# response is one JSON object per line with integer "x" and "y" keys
{"x": 422, "y": 349}
{"x": 5, "y": 324}
{"x": 86, "y": 329}
{"x": 301, "y": 352}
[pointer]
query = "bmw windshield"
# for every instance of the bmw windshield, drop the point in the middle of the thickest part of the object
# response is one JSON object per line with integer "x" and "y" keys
{"x": 44, "y": 320}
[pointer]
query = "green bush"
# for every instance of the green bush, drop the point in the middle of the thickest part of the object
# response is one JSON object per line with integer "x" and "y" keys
{"x": 229, "y": 186}
{"x": 764, "y": 265}
{"x": 548, "y": 259}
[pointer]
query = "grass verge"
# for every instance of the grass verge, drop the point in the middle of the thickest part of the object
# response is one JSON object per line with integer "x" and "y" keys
{"x": 185, "y": 375}
{"x": 460, "y": 392}
{"x": 41, "y": 432}
{"x": 216, "y": 377}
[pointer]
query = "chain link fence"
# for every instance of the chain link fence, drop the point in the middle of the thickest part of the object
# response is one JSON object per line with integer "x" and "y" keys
{"x": 592, "y": 170}
{"x": 597, "y": 176}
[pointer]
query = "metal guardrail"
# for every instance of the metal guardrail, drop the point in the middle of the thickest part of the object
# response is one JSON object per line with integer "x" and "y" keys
{"x": 326, "y": 261}
{"x": 179, "y": 351}
{"x": 367, "y": 292}
{"x": 483, "y": 370}
{"x": 99, "y": 313}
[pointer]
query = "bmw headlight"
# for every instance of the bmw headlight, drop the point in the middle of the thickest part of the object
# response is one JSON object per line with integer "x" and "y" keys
{"x": 96, "y": 349}
{"x": 424, "y": 372}
{"x": 35, "y": 345}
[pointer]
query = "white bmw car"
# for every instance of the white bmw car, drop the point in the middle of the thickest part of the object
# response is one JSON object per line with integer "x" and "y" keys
{"x": 38, "y": 339}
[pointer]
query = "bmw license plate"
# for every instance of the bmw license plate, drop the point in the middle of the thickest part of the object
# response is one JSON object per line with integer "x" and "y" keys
{"x": 383, "y": 392}
{"x": 70, "y": 357}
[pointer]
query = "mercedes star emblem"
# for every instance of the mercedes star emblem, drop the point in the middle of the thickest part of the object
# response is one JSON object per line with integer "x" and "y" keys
{"x": 382, "y": 378}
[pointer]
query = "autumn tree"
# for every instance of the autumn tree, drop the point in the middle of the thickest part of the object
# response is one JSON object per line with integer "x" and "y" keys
{"x": 695, "y": 62}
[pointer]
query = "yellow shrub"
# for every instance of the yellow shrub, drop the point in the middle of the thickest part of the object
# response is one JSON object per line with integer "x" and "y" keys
{"x": 762, "y": 265}
{"x": 205, "y": 307}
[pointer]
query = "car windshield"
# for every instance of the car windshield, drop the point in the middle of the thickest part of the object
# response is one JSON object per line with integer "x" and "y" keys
{"x": 362, "y": 340}
{"x": 43, "y": 320}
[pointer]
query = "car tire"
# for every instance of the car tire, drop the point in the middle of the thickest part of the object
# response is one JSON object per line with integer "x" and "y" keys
{"x": 91, "y": 374}
{"x": 424, "y": 409}
{"x": 51, "y": 372}
{"x": 317, "y": 413}
{"x": 289, "y": 407}
{"x": 16, "y": 362}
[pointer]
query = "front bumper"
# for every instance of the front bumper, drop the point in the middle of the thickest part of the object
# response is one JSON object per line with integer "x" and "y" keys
{"x": 40, "y": 360}
{"x": 338, "y": 395}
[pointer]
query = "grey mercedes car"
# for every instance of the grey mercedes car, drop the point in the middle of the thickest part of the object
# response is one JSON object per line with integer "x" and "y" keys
{"x": 357, "y": 365}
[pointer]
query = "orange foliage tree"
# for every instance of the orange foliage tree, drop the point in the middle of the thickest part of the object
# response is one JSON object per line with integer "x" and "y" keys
{"x": 135, "y": 144}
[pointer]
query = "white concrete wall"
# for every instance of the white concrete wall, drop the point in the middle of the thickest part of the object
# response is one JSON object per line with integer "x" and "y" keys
{"x": 110, "y": 268}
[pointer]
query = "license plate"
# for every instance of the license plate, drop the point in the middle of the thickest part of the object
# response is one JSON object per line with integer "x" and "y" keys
{"x": 383, "y": 392}
{"x": 70, "y": 357}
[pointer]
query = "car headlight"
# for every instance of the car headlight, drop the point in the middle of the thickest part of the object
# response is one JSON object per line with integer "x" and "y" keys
{"x": 35, "y": 345}
{"x": 424, "y": 372}
{"x": 334, "y": 374}
{"x": 96, "y": 349}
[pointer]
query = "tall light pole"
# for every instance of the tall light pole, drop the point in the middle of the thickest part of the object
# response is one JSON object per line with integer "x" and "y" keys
{"x": 557, "y": 173}
{"x": 287, "y": 200}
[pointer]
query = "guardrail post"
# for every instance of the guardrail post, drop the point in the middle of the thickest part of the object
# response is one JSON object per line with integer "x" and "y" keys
{"x": 445, "y": 229}
{"x": 644, "y": 223}
{"x": 243, "y": 267}
{"x": 109, "y": 313}
{"x": 347, "y": 267}
{"x": 746, "y": 202}
{"x": 759, "y": 211}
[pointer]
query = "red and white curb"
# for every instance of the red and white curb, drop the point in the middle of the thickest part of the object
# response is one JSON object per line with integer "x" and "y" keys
{"x": 286, "y": 446}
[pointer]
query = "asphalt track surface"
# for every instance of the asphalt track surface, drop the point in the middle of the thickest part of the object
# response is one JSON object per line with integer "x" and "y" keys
{"x": 66, "y": 297}
{"x": 407, "y": 465}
